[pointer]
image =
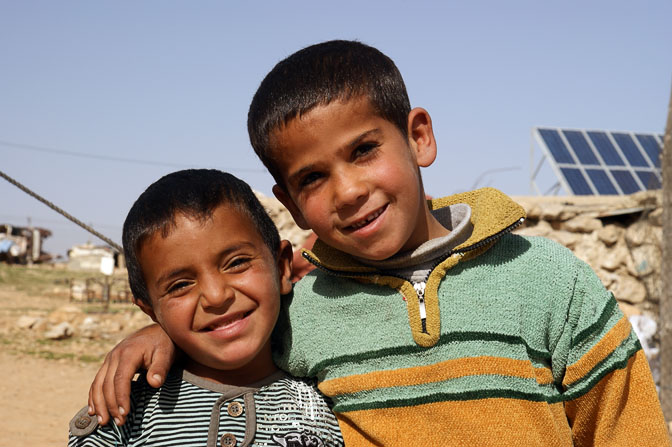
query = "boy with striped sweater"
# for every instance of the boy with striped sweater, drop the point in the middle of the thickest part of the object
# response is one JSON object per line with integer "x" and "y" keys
{"x": 426, "y": 323}
{"x": 207, "y": 264}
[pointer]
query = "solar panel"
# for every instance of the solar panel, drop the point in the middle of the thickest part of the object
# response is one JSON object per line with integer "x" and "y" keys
{"x": 597, "y": 162}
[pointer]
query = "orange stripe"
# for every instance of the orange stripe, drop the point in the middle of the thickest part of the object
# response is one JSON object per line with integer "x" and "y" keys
{"x": 599, "y": 352}
{"x": 487, "y": 422}
{"x": 621, "y": 409}
{"x": 449, "y": 369}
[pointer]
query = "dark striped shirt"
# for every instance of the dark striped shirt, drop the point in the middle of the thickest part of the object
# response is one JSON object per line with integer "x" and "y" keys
{"x": 191, "y": 411}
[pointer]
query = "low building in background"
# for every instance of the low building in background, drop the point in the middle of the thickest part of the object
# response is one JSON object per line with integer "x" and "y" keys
{"x": 90, "y": 257}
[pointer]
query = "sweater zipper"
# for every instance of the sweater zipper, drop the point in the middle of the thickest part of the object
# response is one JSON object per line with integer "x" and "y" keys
{"x": 420, "y": 286}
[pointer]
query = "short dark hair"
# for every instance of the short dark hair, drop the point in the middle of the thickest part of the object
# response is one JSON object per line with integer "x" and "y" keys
{"x": 195, "y": 193}
{"x": 318, "y": 75}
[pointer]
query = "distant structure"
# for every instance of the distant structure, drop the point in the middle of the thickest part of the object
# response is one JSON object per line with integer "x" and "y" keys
{"x": 89, "y": 257}
{"x": 22, "y": 245}
{"x": 595, "y": 162}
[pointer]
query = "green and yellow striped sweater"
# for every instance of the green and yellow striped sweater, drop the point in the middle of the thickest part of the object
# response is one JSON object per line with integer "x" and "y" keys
{"x": 523, "y": 346}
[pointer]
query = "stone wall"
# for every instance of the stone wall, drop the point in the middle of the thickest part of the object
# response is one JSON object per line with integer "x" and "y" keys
{"x": 283, "y": 220}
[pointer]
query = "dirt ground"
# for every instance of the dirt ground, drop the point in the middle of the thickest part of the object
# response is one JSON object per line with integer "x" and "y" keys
{"x": 45, "y": 382}
{"x": 39, "y": 397}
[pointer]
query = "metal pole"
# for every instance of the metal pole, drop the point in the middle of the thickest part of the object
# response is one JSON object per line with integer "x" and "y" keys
{"x": 666, "y": 272}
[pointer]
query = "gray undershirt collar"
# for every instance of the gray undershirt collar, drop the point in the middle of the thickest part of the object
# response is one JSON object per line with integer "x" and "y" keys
{"x": 455, "y": 218}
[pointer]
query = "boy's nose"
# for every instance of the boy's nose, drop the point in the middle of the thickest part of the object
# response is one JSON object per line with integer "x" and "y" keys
{"x": 349, "y": 188}
{"x": 215, "y": 293}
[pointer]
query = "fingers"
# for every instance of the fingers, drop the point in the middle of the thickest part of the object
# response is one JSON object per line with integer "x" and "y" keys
{"x": 96, "y": 399}
{"x": 97, "y": 404}
{"x": 162, "y": 358}
{"x": 118, "y": 394}
{"x": 109, "y": 394}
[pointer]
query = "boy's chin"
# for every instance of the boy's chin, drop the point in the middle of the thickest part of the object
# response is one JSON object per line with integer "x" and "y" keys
{"x": 372, "y": 253}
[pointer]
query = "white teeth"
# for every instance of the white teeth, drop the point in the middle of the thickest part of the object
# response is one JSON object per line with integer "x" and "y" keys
{"x": 368, "y": 219}
{"x": 223, "y": 324}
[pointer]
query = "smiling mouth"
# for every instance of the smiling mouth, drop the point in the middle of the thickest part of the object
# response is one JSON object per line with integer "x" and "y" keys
{"x": 367, "y": 220}
{"x": 226, "y": 322}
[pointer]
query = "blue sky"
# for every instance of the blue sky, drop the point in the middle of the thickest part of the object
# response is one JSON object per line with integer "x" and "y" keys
{"x": 169, "y": 83}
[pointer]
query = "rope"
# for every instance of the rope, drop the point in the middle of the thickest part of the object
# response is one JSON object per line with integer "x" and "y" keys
{"x": 64, "y": 213}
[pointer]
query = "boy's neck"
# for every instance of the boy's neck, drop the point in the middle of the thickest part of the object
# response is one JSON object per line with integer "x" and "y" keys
{"x": 253, "y": 372}
{"x": 430, "y": 228}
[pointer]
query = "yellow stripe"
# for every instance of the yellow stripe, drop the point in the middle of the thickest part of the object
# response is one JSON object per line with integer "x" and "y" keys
{"x": 449, "y": 369}
{"x": 486, "y": 422}
{"x": 599, "y": 352}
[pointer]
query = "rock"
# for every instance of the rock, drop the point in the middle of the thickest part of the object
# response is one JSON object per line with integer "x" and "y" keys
{"x": 582, "y": 224}
{"x": 657, "y": 236}
{"x": 542, "y": 228}
{"x": 629, "y": 310}
{"x": 111, "y": 326}
{"x": 626, "y": 288}
{"x": 645, "y": 327}
{"x": 567, "y": 214}
{"x": 590, "y": 250}
{"x": 551, "y": 211}
{"x": 283, "y": 220}
{"x": 89, "y": 328}
{"x": 607, "y": 278}
{"x": 78, "y": 290}
{"x": 638, "y": 233}
{"x": 656, "y": 217}
{"x": 646, "y": 259}
{"x": 60, "y": 332}
{"x": 654, "y": 287}
{"x": 569, "y": 240}
{"x": 610, "y": 234}
{"x": 614, "y": 258}
{"x": 66, "y": 313}
{"x": 533, "y": 211}
{"x": 27, "y": 322}
{"x": 59, "y": 290}
{"x": 138, "y": 319}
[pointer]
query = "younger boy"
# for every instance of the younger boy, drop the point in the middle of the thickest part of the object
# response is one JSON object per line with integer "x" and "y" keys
{"x": 206, "y": 263}
{"x": 429, "y": 323}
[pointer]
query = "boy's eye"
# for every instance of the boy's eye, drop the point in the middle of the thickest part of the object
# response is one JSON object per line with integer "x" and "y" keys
{"x": 177, "y": 287}
{"x": 237, "y": 263}
{"x": 364, "y": 149}
{"x": 309, "y": 179}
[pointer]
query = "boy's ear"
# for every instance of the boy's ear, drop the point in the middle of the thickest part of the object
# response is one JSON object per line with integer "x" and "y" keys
{"x": 421, "y": 136}
{"x": 146, "y": 308}
{"x": 286, "y": 200}
{"x": 285, "y": 256}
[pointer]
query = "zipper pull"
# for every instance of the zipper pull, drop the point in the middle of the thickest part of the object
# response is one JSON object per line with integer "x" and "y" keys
{"x": 420, "y": 290}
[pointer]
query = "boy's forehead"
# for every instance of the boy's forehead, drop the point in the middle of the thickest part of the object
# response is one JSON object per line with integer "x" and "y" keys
{"x": 318, "y": 123}
{"x": 199, "y": 219}
{"x": 228, "y": 219}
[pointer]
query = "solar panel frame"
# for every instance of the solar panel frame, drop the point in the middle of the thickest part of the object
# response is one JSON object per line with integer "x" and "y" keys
{"x": 583, "y": 168}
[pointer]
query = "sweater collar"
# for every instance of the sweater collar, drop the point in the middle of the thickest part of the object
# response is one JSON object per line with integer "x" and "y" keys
{"x": 492, "y": 213}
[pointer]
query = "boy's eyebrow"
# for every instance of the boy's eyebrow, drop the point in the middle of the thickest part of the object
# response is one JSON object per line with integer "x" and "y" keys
{"x": 349, "y": 145}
